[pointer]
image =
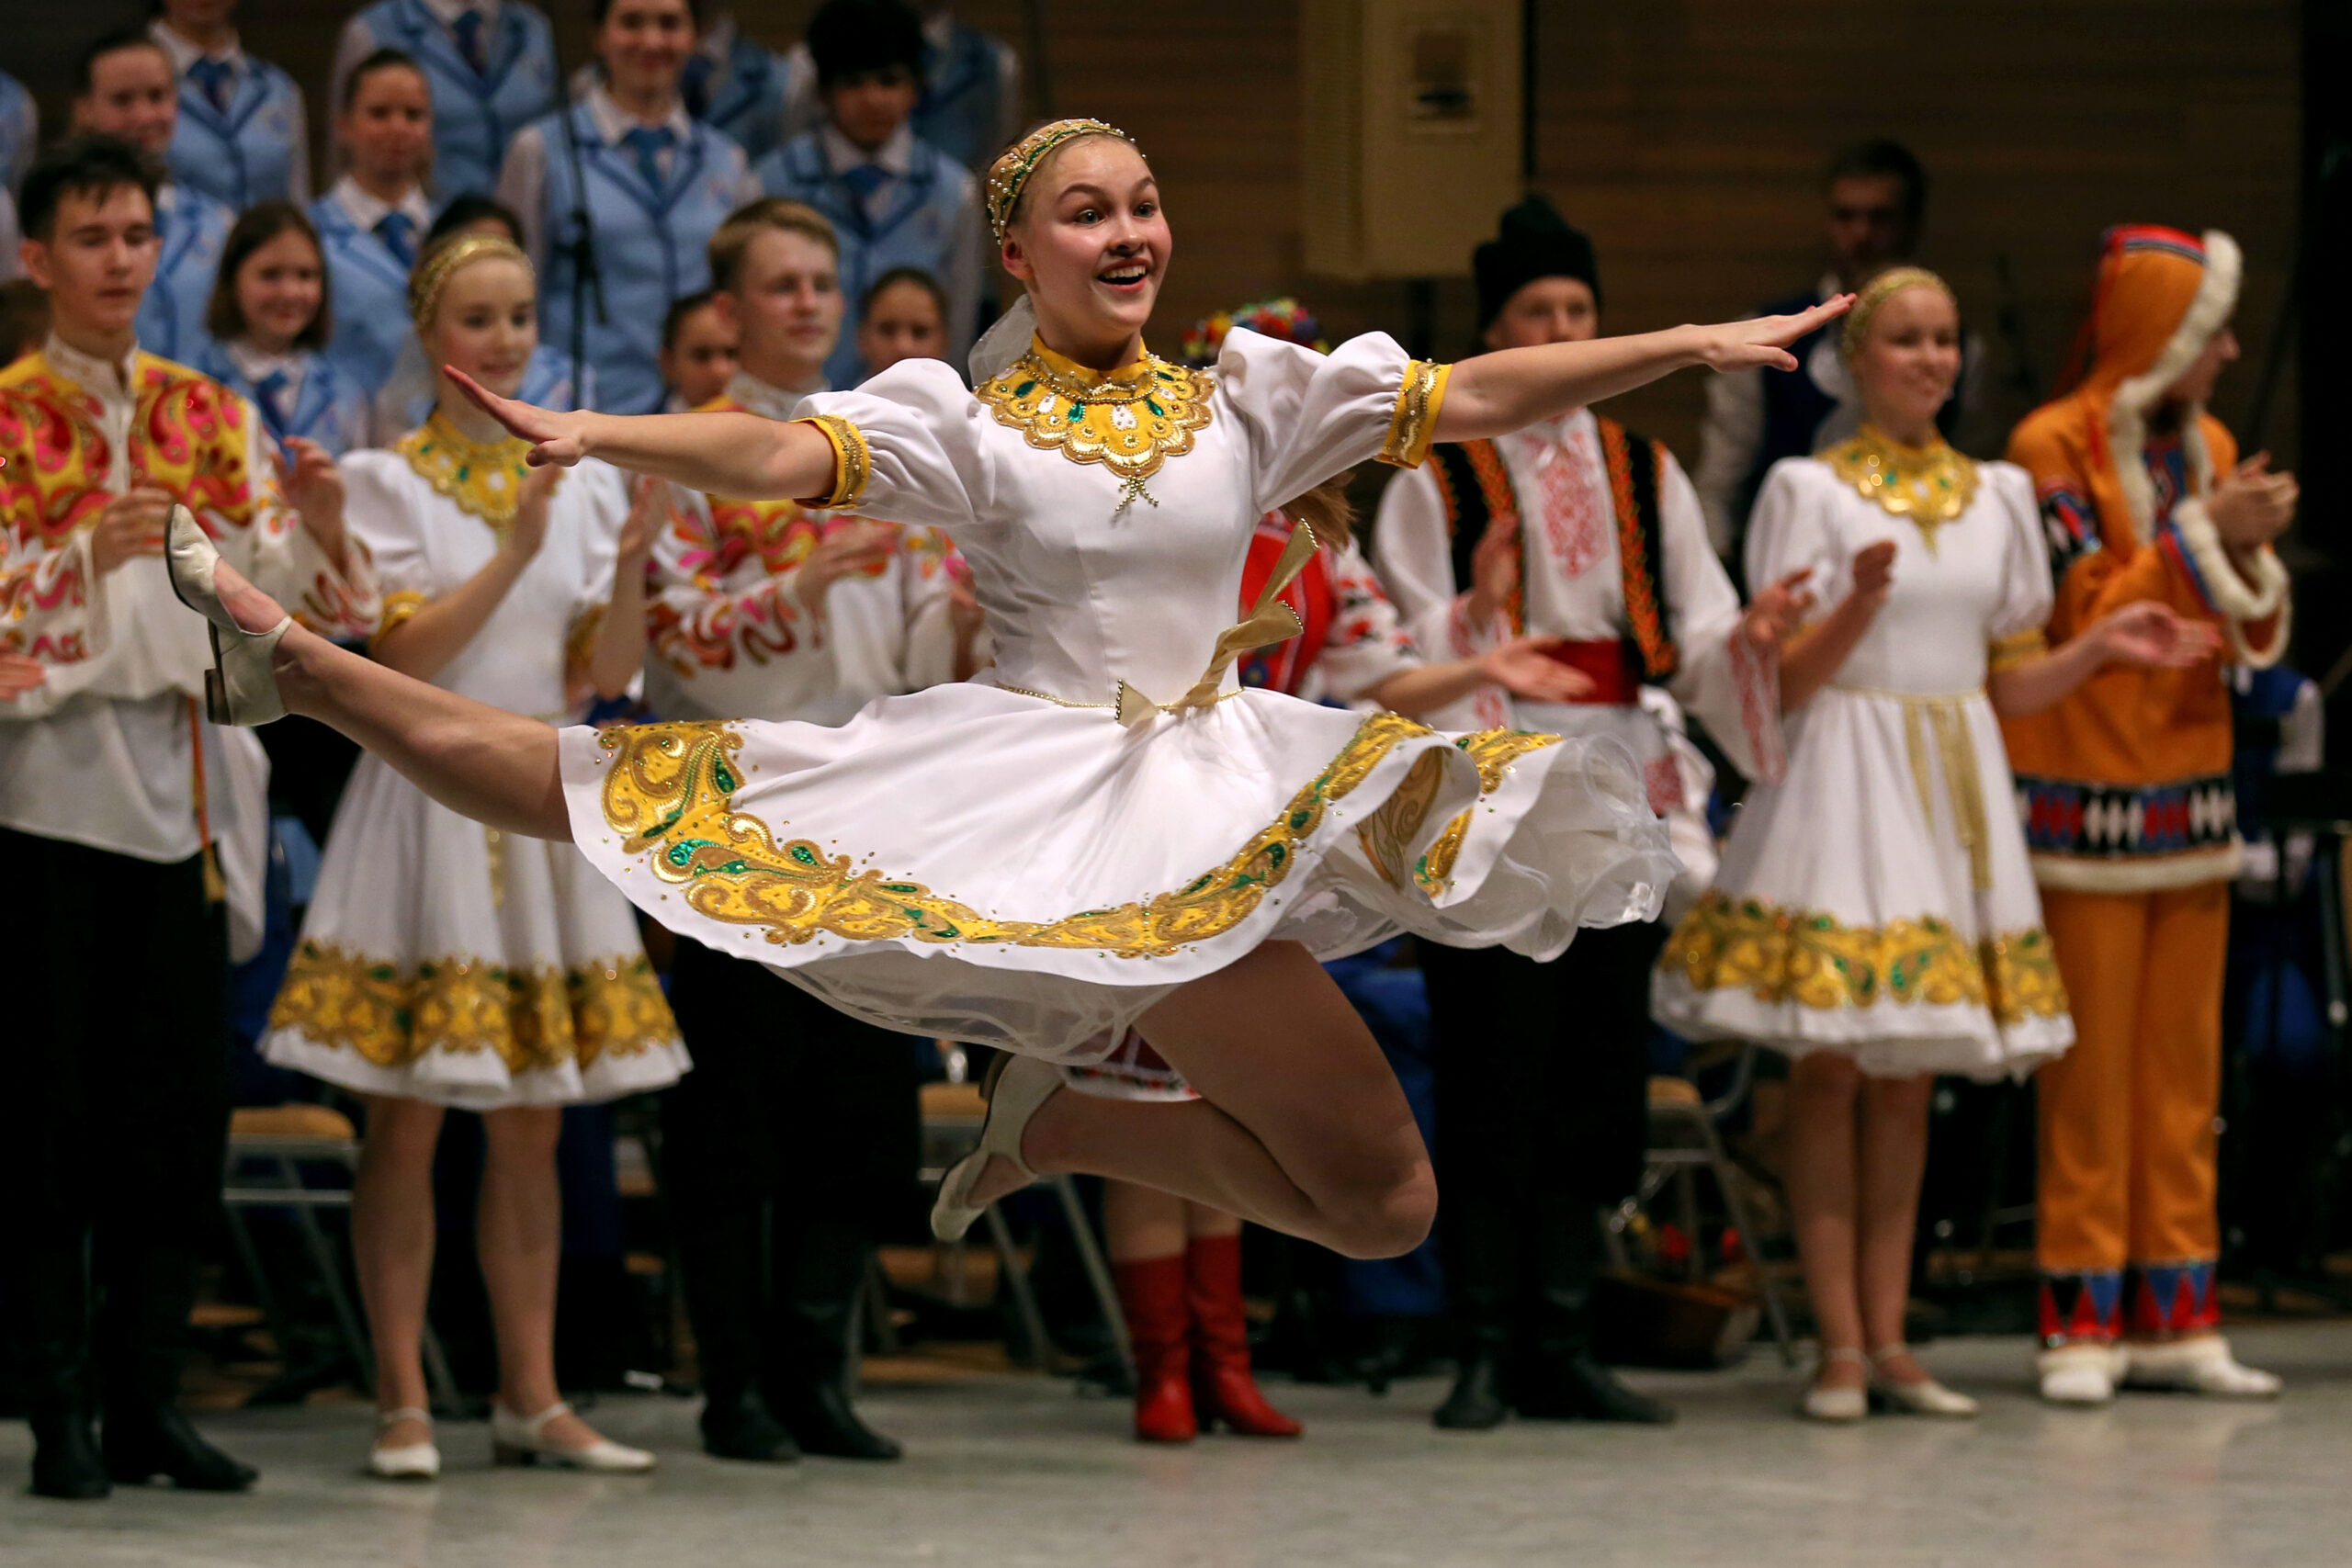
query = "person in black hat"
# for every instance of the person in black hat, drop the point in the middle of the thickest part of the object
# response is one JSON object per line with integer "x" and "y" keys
{"x": 1578, "y": 530}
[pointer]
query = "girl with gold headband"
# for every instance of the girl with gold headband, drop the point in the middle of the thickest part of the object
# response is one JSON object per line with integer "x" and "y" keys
{"x": 446, "y": 964}
{"x": 1108, "y": 828}
{"x": 1874, "y": 916}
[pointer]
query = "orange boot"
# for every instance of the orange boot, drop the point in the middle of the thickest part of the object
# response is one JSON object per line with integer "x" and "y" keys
{"x": 1223, "y": 1389}
{"x": 1151, "y": 1293}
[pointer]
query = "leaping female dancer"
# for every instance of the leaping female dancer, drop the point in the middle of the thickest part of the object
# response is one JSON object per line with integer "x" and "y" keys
{"x": 1108, "y": 830}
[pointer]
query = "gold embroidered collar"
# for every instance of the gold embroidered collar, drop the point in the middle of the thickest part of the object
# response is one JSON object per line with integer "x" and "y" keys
{"x": 485, "y": 479}
{"x": 1930, "y": 485}
{"x": 1130, "y": 420}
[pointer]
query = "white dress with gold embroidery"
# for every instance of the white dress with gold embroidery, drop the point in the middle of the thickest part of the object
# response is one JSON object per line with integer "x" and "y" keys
{"x": 1878, "y": 901}
{"x": 1005, "y": 861}
{"x": 440, "y": 960}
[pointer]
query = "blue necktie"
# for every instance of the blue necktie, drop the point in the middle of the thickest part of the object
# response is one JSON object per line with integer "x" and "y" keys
{"x": 647, "y": 143}
{"x": 397, "y": 231}
{"x": 219, "y": 80}
{"x": 863, "y": 181}
{"x": 266, "y": 392}
{"x": 467, "y": 29}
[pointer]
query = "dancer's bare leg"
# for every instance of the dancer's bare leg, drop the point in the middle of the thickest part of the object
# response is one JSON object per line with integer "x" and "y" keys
{"x": 496, "y": 767}
{"x": 518, "y": 1239}
{"x": 391, "y": 1236}
{"x": 1893, "y": 1160}
{"x": 1300, "y": 1127}
{"x": 1825, "y": 1090}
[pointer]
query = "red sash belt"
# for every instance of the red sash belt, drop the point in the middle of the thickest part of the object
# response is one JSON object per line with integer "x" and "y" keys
{"x": 1614, "y": 668}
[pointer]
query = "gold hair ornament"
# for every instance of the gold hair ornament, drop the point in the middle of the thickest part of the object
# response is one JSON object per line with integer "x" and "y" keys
{"x": 1877, "y": 292}
{"x": 425, "y": 285}
{"x": 1012, "y": 170}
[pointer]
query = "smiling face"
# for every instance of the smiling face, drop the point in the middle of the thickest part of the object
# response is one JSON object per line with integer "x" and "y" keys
{"x": 133, "y": 97}
{"x": 787, "y": 307}
{"x": 387, "y": 130}
{"x": 279, "y": 289}
{"x": 1090, "y": 242}
{"x": 486, "y": 325}
{"x": 1908, "y": 363}
{"x": 644, "y": 45}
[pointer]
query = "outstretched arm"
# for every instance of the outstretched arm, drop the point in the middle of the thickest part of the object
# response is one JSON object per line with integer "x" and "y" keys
{"x": 737, "y": 455}
{"x": 1513, "y": 387}
{"x": 2146, "y": 634}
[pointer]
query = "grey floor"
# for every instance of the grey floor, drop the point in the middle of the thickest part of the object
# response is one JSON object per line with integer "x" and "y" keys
{"x": 1012, "y": 1471}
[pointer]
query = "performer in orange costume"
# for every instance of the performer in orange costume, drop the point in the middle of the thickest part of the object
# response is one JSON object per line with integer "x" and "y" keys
{"x": 2130, "y": 818}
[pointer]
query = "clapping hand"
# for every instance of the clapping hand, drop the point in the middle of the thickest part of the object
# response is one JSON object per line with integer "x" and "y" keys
{"x": 555, "y": 438}
{"x": 1494, "y": 570}
{"x": 20, "y": 673}
{"x": 131, "y": 526}
{"x": 1524, "y": 668}
{"x": 528, "y": 530}
{"x": 860, "y": 545}
{"x": 1777, "y": 612}
{"x": 1874, "y": 571}
{"x": 646, "y": 512}
{"x": 2251, "y": 506}
{"x": 307, "y": 473}
{"x": 2155, "y": 636}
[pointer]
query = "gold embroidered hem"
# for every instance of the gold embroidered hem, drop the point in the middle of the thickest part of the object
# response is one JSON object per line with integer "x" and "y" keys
{"x": 399, "y": 606}
{"x": 1412, "y": 427}
{"x": 670, "y": 787}
{"x": 535, "y": 1020}
{"x": 853, "y": 462}
{"x": 2011, "y": 651}
{"x": 1930, "y": 485}
{"x": 485, "y": 479}
{"x": 1495, "y": 750}
{"x": 1130, "y": 421}
{"x": 1781, "y": 955}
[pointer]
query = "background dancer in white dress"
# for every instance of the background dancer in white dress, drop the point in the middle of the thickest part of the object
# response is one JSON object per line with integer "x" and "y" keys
{"x": 1874, "y": 916}
{"x": 1183, "y": 869}
{"x": 446, "y": 964}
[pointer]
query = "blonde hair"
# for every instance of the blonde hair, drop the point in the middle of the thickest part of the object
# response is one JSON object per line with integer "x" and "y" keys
{"x": 1877, "y": 292}
{"x": 1009, "y": 176}
{"x": 731, "y": 240}
{"x": 446, "y": 259}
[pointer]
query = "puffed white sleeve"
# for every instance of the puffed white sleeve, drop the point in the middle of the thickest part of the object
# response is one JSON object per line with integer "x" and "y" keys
{"x": 1791, "y": 531}
{"x": 266, "y": 539}
{"x": 1719, "y": 677}
{"x": 1309, "y": 416}
{"x": 380, "y": 511}
{"x": 2015, "y": 633}
{"x": 907, "y": 448}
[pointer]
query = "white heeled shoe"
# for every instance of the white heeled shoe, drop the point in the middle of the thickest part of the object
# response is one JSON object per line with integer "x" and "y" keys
{"x": 1016, "y": 1087}
{"x": 516, "y": 1439}
{"x": 2202, "y": 1365}
{"x": 1837, "y": 1407}
{"x": 407, "y": 1462}
{"x": 240, "y": 687}
{"x": 2083, "y": 1373}
{"x": 1925, "y": 1397}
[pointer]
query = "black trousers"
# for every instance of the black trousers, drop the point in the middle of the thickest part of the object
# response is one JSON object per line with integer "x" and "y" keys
{"x": 118, "y": 1071}
{"x": 1542, "y": 1084}
{"x": 793, "y": 1142}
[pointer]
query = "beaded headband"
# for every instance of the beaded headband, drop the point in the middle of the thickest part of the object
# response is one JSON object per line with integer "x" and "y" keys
{"x": 425, "y": 284}
{"x": 1877, "y": 292}
{"x": 1010, "y": 171}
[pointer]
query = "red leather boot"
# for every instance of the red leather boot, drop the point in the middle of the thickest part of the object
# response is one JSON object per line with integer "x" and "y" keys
{"x": 1151, "y": 1293}
{"x": 1223, "y": 1389}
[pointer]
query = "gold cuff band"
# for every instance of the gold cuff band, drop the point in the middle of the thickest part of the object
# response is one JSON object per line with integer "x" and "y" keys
{"x": 1412, "y": 428}
{"x": 853, "y": 462}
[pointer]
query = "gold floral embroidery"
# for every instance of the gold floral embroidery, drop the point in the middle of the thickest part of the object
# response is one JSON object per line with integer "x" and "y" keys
{"x": 1494, "y": 750}
{"x": 1930, "y": 485}
{"x": 1816, "y": 961}
{"x": 2022, "y": 648}
{"x": 535, "y": 1020}
{"x": 1388, "y": 833}
{"x": 1130, "y": 421}
{"x": 853, "y": 461}
{"x": 670, "y": 789}
{"x": 485, "y": 479}
{"x": 1412, "y": 427}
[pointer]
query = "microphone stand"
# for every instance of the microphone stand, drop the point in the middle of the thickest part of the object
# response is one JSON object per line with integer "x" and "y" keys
{"x": 587, "y": 282}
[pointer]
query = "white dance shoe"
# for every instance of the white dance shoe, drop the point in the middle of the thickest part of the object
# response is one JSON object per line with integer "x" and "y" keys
{"x": 1925, "y": 1397}
{"x": 1837, "y": 1407}
{"x": 240, "y": 687}
{"x": 2202, "y": 1365}
{"x": 404, "y": 1462}
{"x": 2080, "y": 1374}
{"x": 1016, "y": 1087}
{"x": 516, "y": 1439}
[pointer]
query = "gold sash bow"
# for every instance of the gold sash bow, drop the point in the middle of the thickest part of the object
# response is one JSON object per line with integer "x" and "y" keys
{"x": 1270, "y": 621}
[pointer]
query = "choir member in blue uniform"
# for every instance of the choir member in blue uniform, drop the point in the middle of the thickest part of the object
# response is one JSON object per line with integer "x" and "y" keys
{"x": 20, "y": 131}
{"x": 242, "y": 136}
{"x": 971, "y": 90}
{"x": 407, "y": 397}
{"x": 732, "y": 83}
{"x": 492, "y": 67}
{"x": 269, "y": 319}
{"x": 895, "y": 200}
{"x": 374, "y": 220}
{"x": 656, "y": 183}
{"x": 126, "y": 89}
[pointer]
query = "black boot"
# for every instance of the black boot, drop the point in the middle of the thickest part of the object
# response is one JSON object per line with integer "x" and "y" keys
{"x": 736, "y": 1425}
{"x": 141, "y": 1328}
{"x": 808, "y": 1387}
{"x": 1476, "y": 1403}
{"x": 65, "y": 1444}
{"x": 1553, "y": 1374}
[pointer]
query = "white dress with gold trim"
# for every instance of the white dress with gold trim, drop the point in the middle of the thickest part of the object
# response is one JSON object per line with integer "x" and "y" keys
{"x": 1878, "y": 900}
{"x": 443, "y": 961}
{"x": 1032, "y": 859}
